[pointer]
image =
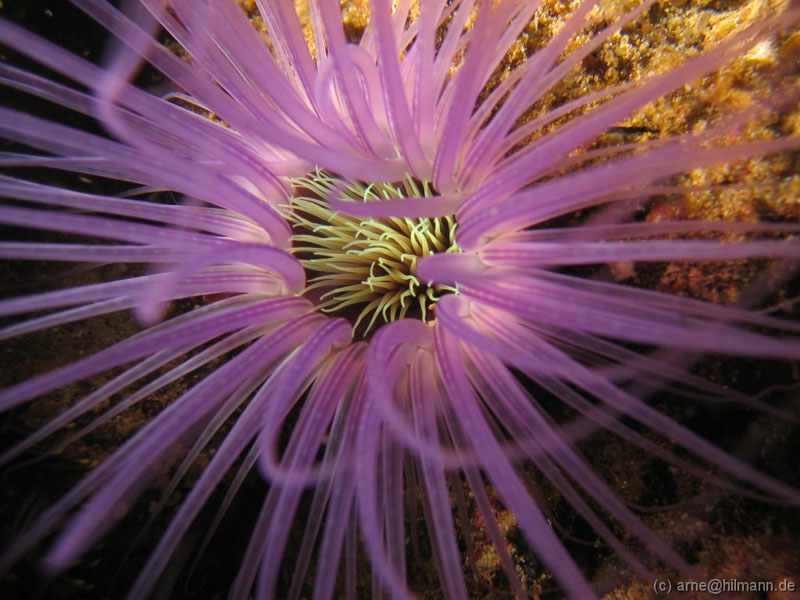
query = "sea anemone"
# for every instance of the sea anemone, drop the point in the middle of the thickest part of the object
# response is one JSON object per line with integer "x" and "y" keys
{"x": 388, "y": 235}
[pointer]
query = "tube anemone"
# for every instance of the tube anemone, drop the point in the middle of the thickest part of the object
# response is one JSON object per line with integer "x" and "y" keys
{"x": 405, "y": 259}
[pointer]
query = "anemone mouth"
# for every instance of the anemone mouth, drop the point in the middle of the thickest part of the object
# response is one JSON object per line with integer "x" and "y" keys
{"x": 364, "y": 269}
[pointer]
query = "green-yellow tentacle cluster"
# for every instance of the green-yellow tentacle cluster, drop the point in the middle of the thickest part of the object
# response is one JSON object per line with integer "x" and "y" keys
{"x": 367, "y": 264}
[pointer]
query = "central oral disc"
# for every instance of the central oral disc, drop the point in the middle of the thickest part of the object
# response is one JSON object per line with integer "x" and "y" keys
{"x": 365, "y": 268}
